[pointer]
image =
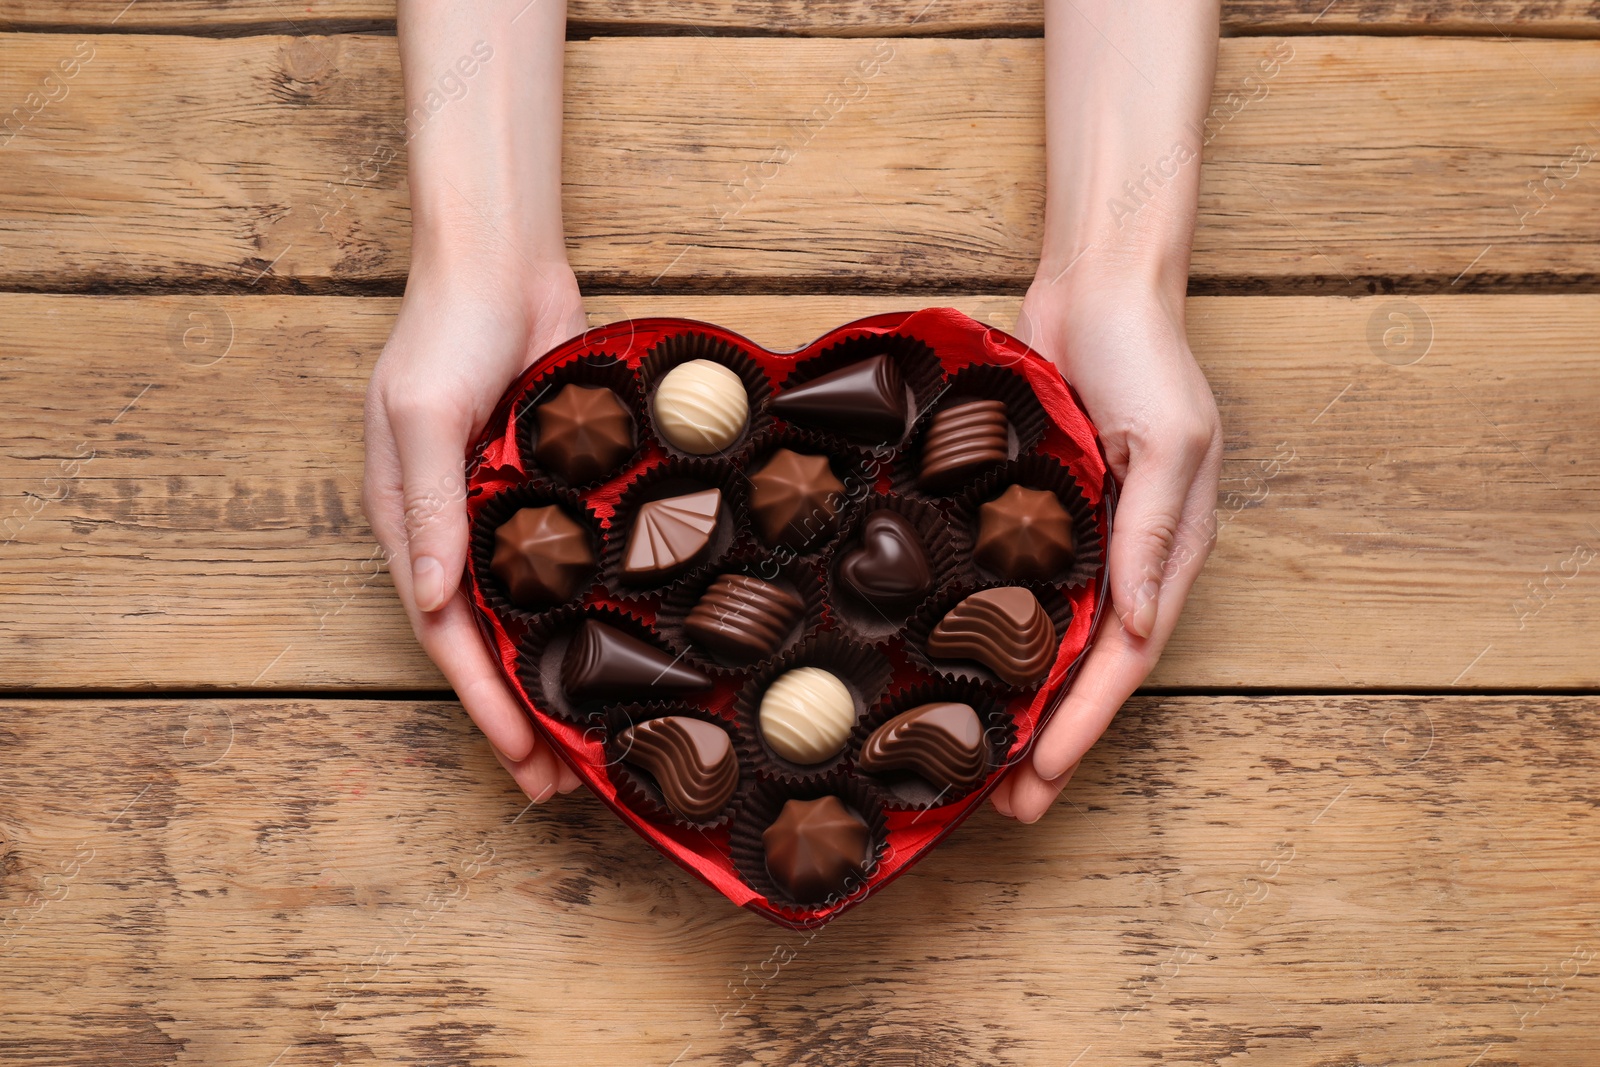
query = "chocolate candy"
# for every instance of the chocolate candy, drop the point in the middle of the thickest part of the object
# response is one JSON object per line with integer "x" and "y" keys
{"x": 603, "y": 663}
{"x": 692, "y": 762}
{"x": 670, "y": 535}
{"x": 1005, "y": 629}
{"x": 865, "y": 401}
{"x": 889, "y": 570}
{"x": 793, "y": 497}
{"x": 585, "y": 432}
{"x": 961, "y": 439}
{"x": 1024, "y": 533}
{"x": 542, "y": 555}
{"x": 701, "y": 406}
{"x": 817, "y": 849}
{"x": 806, "y": 715}
{"x": 742, "y": 618}
{"x": 941, "y": 743}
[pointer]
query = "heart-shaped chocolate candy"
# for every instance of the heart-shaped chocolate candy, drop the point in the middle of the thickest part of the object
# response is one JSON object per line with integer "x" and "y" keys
{"x": 889, "y": 569}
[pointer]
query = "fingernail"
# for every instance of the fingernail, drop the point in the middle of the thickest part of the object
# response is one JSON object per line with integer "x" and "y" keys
{"x": 1142, "y": 619}
{"x": 427, "y": 583}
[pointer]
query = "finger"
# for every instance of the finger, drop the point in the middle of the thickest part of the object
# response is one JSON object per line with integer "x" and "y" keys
{"x": 451, "y": 638}
{"x": 1001, "y": 797}
{"x": 1120, "y": 661}
{"x": 535, "y": 775}
{"x": 1146, "y": 530}
{"x": 431, "y": 444}
{"x": 568, "y": 780}
{"x": 1031, "y": 795}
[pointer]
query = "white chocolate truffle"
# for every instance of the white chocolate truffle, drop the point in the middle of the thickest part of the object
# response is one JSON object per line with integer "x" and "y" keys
{"x": 806, "y": 715}
{"x": 700, "y": 406}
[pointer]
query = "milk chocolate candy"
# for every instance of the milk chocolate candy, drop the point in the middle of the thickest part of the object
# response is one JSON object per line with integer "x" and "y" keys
{"x": 817, "y": 849}
{"x": 793, "y": 498}
{"x": 865, "y": 401}
{"x": 701, "y": 406}
{"x": 584, "y": 433}
{"x": 1005, "y": 629}
{"x": 670, "y": 535}
{"x": 542, "y": 555}
{"x": 942, "y": 743}
{"x": 691, "y": 761}
{"x": 603, "y": 663}
{"x": 743, "y": 618}
{"x": 1024, "y": 534}
{"x": 962, "y": 439}
{"x": 889, "y": 570}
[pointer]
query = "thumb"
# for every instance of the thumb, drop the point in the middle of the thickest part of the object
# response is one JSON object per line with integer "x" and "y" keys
{"x": 433, "y": 487}
{"x": 1145, "y": 528}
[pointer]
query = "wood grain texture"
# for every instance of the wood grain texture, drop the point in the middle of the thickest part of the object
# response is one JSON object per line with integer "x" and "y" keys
{"x": 276, "y": 163}
{"x": 830, "y": 18}
{"x": 1289, "y": 880}
{"x": 1381, "y": 525}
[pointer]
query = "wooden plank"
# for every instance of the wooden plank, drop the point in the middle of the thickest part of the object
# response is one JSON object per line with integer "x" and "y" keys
{"x": 1362, "y": 163}
{"x": 1382, "y": 526}
{"x": 1294, "y": 880}
{"x": 856, "y": 18}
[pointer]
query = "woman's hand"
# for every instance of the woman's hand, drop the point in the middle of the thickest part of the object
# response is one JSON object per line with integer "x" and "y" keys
{"x": 1123, "y": 348}
{"x": 469, "y": 324}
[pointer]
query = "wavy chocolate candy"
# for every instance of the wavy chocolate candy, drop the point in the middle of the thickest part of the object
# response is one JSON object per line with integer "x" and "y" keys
{"x": 865, "y": 401}
{"x": 942, "y": 743}
{"x": 670, "y": 534}
{"x": 743, "y": 618}
{"x": 817, "y": 849}
{"x": 542, "y": 555}
{"x": 603, "y": 663}
{"x": 584, "y": 432}
{"x": 793, "y": 497}
{"x": 890, "y": 569}
{"x": 1005, "y": 629}
{"x": 1024, "y": 533}
{"x": 692, "y": 762}
{"x": 961, "y": 439}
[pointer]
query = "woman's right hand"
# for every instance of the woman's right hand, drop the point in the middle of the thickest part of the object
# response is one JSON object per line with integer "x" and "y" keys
{"x": 469, "y": 324}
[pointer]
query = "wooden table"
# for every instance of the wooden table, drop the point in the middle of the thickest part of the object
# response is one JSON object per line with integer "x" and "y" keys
{"x": 1352, "y": 820}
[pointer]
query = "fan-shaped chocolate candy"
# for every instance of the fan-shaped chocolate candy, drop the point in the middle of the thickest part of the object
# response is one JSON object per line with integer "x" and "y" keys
{"x": 1005, "y": 629}
{"x": 692, "y": 762}
{"x": 670, "y": 534}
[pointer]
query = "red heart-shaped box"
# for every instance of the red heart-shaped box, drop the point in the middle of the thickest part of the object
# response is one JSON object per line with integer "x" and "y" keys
{"x": 497, "y": 464}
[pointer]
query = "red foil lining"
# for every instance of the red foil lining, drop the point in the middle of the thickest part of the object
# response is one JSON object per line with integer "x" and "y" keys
{"x": 496, "y": 463}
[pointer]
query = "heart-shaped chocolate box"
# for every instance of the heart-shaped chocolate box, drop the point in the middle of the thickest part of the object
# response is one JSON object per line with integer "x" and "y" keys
{"x": 944, "y": 359}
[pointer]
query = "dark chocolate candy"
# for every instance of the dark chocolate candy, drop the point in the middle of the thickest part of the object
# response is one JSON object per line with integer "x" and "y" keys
{"x": 961, "y": 439}
{"x": 692, "y": 762}
{"x": 865, "y": 401}
{"x": 584, "y": 432}
{"x": 941, "y": 743}
{"x": 817, "y": 849}
{"x": 743, "y": 618}
{"x": 794, "y": 497}
{"x": 671, "y": 534}
{"x": 603, "y": 663}
{"x": 1024, "y": 533}
{"x": 542, "y": 555}
{"x": 889, "y": 569}
{"x": 1005, "y": 629}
